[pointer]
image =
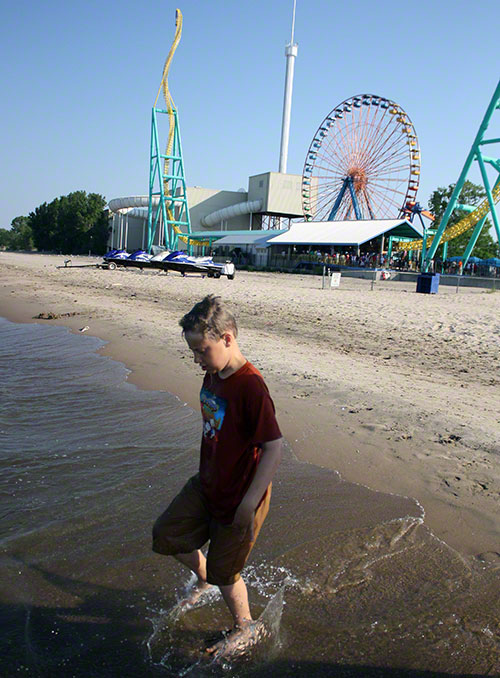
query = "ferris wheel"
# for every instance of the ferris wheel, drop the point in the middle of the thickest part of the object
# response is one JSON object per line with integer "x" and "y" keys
{"x": 363, "y": 162}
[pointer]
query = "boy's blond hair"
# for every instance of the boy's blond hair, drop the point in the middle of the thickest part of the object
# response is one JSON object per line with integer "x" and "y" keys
{"x": 209, "y": 317}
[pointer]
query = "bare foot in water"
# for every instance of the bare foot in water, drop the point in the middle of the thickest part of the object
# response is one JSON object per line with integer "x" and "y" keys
{"x": 240, "y": 639}
{"x": 195, "y": 594}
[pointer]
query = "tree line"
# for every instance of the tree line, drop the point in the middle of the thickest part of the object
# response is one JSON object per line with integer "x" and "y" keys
{"x": 77, "y": 224}
{"x": 72, "y": 224}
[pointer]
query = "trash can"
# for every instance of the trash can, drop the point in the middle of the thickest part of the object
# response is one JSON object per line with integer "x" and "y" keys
{"x": 428, "y": 283}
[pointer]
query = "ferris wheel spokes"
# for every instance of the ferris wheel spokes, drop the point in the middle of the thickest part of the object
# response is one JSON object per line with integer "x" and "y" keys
{"x": 363, "y": 162}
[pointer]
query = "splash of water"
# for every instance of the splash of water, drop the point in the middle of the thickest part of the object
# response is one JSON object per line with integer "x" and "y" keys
{"x": 173, "y": 629}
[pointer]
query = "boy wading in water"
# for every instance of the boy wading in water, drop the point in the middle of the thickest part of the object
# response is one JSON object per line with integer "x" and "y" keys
{"x": 227, "y": 501}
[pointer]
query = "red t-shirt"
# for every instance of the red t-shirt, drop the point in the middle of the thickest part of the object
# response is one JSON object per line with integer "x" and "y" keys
{"x": 238, "y": 417}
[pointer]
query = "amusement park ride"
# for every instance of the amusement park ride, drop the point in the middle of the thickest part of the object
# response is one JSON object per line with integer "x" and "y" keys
{"x": 167, "y": 186}
{"x": 364, "y": 163}
{"x": 476, "y": 216}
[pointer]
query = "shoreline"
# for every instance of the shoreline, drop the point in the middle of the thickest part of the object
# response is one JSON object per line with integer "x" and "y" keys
{"x": 335, "y": 414}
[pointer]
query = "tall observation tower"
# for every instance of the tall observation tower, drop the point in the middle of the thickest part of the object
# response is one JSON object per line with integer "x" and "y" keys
{"x": 290, "y": 53}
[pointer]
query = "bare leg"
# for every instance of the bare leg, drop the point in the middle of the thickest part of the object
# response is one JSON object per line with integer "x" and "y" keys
{"x": 245, "y": 632}
{"x": 197, "y": 563}
{"x": 236, "y": 598}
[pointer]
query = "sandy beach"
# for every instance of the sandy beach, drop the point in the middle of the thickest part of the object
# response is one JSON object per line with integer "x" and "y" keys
{"x": 396, "y": 391}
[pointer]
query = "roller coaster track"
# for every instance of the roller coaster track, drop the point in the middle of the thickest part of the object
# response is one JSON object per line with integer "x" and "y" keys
{"x": 170, "y": 106}
{"x": 456, "y": 229}
{"x": 477, "y": 216}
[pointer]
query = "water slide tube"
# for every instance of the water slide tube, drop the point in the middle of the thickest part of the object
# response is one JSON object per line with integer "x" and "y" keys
{"x": 232, "y": 211}
{"x": 137, "y": 206}
{"x": 134, "y": 206}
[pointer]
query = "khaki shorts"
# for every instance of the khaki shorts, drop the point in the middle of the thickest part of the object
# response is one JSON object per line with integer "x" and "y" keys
{"x": 187, "y": 525}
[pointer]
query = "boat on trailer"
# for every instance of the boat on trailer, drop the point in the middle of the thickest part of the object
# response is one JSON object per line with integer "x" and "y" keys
{"x": 169, "y": 261}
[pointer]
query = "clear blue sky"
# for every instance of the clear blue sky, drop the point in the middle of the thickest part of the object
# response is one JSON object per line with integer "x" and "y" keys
{"x": 79, "y": 80}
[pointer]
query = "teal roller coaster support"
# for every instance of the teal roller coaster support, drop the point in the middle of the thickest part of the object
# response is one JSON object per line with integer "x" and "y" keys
{"x": 474, "y": 154}
{"x": 168, "y": 205}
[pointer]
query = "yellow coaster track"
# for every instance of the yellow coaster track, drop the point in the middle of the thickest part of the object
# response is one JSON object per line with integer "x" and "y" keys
{"x": 170, "y": 106}
{"x": 457, "y": 229}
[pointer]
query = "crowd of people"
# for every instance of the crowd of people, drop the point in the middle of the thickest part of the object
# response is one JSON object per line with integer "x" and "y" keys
{"x": 368, "y": 259}
{"x": 405, "y": 260}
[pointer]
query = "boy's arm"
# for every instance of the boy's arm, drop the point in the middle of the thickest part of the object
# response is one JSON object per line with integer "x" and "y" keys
{"x": 269, "y": 462}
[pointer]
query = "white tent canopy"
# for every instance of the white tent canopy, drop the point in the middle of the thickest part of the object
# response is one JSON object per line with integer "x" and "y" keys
{"x": 354, "y": 232}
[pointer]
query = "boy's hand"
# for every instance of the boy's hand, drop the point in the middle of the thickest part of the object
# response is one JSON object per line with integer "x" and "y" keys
{"x": 244, "y": 518}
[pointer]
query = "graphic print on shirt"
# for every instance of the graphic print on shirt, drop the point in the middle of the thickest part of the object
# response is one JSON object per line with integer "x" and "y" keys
{"x": 213, "y": 409}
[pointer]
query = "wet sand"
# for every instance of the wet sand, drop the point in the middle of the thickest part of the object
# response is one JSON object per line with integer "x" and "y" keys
{"x": 395, "y": 390}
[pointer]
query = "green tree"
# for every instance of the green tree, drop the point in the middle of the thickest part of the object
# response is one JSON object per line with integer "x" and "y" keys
{"x": 22, "y": 235}
{"x": 471, "y": 194}
{"x": 5, "y": 237}
{"x": 44, "y": 224}
{"x": 74, "y": 223}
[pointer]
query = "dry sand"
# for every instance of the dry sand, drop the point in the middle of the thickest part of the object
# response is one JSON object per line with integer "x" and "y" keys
{"x": 396, "y": 390}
